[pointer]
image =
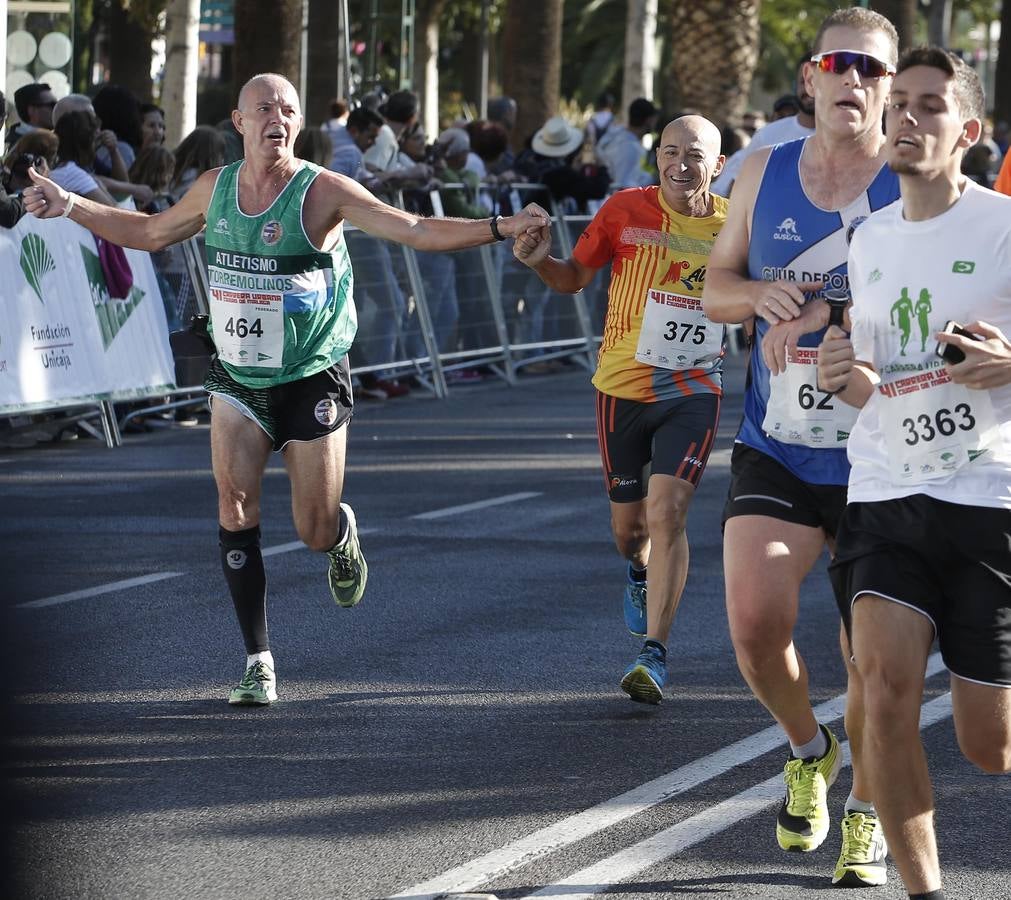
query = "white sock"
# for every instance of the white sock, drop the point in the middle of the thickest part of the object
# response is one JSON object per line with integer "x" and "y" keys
{"x": 816, "y": 747}
{"x": 854, "y": 805}
{"x": 264, "y": 656}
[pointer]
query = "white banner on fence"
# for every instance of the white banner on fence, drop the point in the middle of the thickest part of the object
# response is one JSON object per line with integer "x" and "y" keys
{"x": 63, "y": 338}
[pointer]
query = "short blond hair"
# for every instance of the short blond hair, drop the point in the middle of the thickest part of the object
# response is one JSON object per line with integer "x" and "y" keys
{"x": 860, "y": 19}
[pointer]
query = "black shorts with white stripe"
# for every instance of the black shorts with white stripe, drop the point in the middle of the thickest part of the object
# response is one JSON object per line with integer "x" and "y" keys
{"x": 761, "y": 486}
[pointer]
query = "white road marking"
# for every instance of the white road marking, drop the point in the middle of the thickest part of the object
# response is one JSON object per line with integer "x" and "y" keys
{"x": 631, "y": 861}
{"x": 114, "y": 586}
{"x": 283, "y": 548}
{"x": 574, "y": 828}
{"x": 99, "y": 590}
{"x": 480, "y": 504}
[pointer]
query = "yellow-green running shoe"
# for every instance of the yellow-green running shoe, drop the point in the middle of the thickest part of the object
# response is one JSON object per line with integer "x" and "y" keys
{"x": 803, "y": 819}
{"x": 862, "y": 859}
{"x": 348, "y": 571}
{"x": 257, "y": 688}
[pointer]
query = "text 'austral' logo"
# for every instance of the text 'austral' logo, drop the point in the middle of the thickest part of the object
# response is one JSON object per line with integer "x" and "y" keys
{"x": 787, "y": 230}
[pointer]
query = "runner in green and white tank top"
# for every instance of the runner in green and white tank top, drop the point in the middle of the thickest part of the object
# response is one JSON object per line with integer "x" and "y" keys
{"x": 281, "y": 309}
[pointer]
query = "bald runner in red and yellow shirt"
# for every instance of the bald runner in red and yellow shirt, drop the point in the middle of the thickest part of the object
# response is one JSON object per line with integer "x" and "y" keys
{"x": 658, "y": 259}
{"x": 658, "y": 374}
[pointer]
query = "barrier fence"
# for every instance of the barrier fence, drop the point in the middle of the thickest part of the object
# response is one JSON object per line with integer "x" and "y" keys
{"x": 67, "y": 344}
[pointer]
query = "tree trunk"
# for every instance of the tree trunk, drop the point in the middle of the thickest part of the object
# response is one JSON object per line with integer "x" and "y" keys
{"x": 129, "y": 50}
{"x": 179, "y": 86}
{"x": 640, "y": 51}
{"x": 1002, "y": 77}
{"x": 939, "y": 23}
{"x": 714, "y": 51}
{"x": 426, "y": 62}
{"x": 324, "y": 59}
{"x": 532, "y": 62}
{"x": 903, "y": 15}
{"x": 268, "y": 38}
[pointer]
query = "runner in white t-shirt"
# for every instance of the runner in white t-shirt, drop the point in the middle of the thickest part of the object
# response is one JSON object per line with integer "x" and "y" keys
{"x": 924, "y": 548}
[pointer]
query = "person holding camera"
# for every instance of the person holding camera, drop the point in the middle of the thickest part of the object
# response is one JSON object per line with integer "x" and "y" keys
{"x": 38, "y": 148}
{"x": 924, "y": 547}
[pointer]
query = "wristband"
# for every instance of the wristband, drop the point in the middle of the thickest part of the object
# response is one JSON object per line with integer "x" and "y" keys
{"x": 69, "y": 206}
{"x": 495, "y": 233}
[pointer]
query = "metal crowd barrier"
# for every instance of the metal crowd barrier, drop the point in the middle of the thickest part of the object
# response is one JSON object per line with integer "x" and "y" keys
{"x": 436, "y": 317}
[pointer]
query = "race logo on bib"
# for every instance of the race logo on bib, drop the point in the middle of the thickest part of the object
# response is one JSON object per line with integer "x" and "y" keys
{"x": 272, "y": 232}
{"x": 326, "y": 412}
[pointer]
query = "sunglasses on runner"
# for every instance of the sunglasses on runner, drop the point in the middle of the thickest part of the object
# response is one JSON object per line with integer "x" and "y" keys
{"x": 840, "y": 61}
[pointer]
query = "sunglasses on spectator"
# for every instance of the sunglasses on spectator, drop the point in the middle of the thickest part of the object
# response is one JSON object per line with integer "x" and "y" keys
{"x": 840, "y": 61}
{"x": 50, "y": 104}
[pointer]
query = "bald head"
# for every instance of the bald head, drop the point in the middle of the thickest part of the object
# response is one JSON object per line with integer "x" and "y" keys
{"x": 72, "y": 103}
{"x": 693, "y": 129}
{"x": 270, "y": 83}
{"x": 688, "y": 159}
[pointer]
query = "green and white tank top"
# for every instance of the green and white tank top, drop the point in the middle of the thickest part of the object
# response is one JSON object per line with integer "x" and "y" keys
{"x": 280, "y": 308}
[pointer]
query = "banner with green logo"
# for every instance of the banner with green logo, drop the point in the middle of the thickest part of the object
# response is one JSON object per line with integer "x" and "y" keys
{"x": 77, "y": 324}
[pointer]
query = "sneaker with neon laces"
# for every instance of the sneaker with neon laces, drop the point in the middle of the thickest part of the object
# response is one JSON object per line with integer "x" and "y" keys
{"x": 634, "y": 606}
{"x": 257, "y": 688}
{"x": 644, "y": 679}
{"x": 348, "y": 571}
{"x": 862, "y": 859}
{"x": 803, "y": 821}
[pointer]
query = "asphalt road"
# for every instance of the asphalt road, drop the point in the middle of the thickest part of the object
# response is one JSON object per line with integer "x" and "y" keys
{"x": 462, "y": 730}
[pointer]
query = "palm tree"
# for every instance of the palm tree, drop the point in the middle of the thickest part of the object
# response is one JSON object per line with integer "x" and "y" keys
{"x": 268, "y": 38}
{"x": 713, "y": 46}
{"x": 903, "y": 15}
{"x": 179, "y": 86}
{"x": 531, "y": 62}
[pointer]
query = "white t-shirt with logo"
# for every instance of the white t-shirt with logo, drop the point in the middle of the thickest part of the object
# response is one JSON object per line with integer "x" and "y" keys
{"x": 920, "y": 433}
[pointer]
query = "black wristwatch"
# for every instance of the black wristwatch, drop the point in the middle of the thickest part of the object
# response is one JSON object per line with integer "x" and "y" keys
{"x": 495, "y": 233}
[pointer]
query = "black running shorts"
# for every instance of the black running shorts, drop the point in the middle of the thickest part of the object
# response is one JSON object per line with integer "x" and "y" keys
{"x": 302, "y": 410}
{"x": 761, "y": 486}
{"x": 951, "y": 563}
{"x": 672, "y": 437}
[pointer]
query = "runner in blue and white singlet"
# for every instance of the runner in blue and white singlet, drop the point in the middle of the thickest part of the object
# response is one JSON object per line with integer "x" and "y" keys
{"x": 792, "y": 213}
{"x": 794, "y": 240}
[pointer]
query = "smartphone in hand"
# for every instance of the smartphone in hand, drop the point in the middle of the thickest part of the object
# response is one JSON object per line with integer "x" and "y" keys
{"x": 949, "y": 352}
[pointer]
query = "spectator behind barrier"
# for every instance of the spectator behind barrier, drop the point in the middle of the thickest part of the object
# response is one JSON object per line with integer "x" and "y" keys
{"x": 34, "y": 104}
{"x": 154, "y": 167}
{"x": 116, "y": 184}
{"x": 551, "y": 160}
{"x": 621, "y": 148}
{"x": 233, "y": 141}
{"x": 77, "y": 133}
{"x": 202, "y": 149}
{"x": 602, "y": 118}
{"x": 11, "y": 208}
{"x": 314, "y": 145}
{"x": 119, "y": 112}
{"x": 37, "y": 148}
{"x": 502, "y": 111}
{"x": 152, "y": 125}
{"x": 351, "y": 141}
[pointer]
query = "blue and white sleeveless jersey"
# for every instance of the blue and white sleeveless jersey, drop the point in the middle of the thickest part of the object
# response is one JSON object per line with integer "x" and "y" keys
{"x": 794, "y": 240}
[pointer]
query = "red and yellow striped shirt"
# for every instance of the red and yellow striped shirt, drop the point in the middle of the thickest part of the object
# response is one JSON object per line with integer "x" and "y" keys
{"x": 650, "y": 247}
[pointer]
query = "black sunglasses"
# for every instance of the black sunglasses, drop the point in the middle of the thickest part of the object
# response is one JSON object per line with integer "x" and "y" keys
{"x": 840, "y": 61}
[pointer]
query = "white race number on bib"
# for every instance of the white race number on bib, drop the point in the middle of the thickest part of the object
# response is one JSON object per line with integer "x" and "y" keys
{"x": 799, "y": 413}
{"x": 676, "y": 334}
{"x": 248, "y": 327}
{"x": 932, "y": 426}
